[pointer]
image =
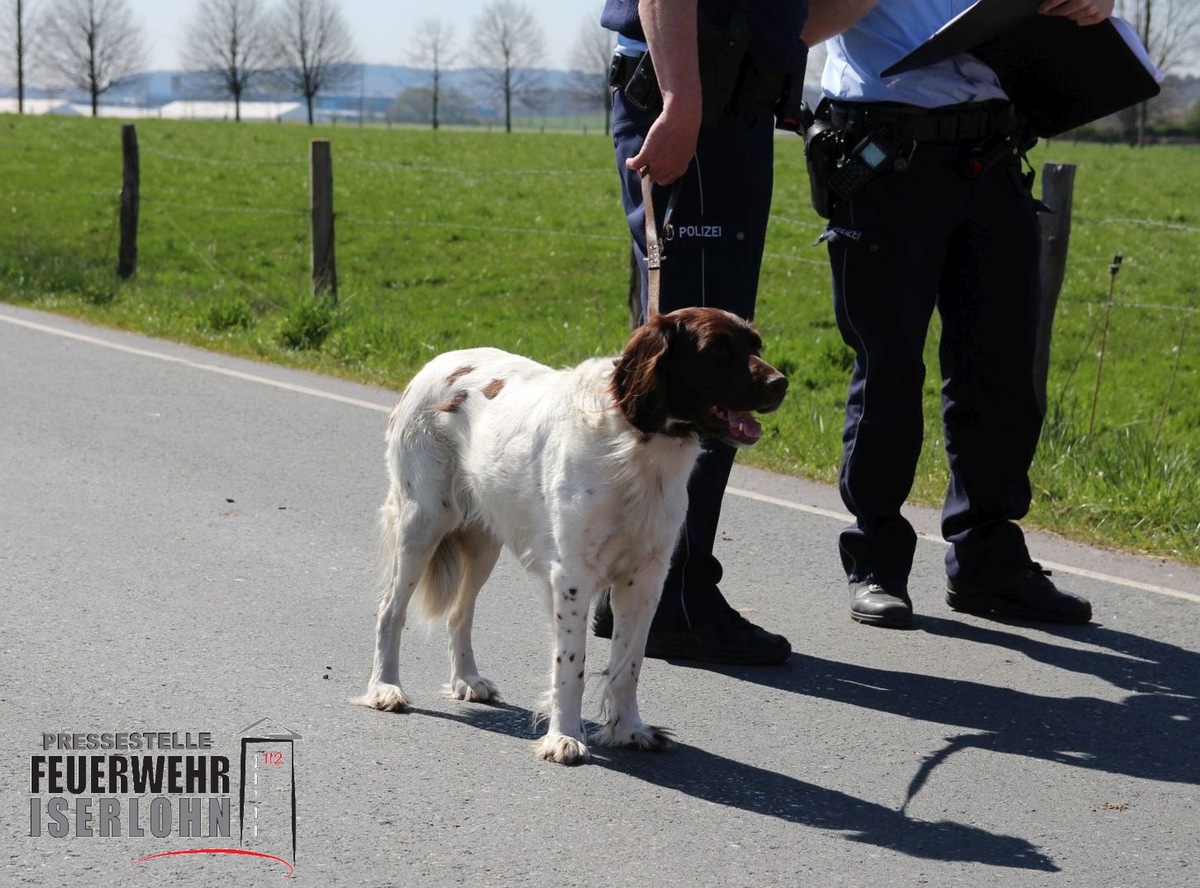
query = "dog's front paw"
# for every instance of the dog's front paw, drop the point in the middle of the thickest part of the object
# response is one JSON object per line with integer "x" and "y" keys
{"x": 562, "y": 749}
{"x": 642, "y": 736}
{"x": 474, "y": 689}
{"x": 385, "y": 697}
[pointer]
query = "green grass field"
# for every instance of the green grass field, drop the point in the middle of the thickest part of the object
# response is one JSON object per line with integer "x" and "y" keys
{"x": 451, "y": 239}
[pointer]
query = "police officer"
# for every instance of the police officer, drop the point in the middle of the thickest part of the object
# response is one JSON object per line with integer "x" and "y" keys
{"x": 942, "y": 218}
{"x": 708, "y": 151}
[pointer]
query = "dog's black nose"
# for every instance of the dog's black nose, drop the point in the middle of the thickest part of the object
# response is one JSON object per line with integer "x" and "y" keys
{"x": 774, "y": 388}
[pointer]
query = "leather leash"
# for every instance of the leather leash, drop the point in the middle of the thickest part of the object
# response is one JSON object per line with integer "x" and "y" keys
{"x": 654, "y": 251}
{"x": 653, "y": 248}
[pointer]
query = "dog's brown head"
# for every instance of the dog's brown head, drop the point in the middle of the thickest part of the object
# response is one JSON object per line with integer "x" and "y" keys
{"x": 696, "y": 371}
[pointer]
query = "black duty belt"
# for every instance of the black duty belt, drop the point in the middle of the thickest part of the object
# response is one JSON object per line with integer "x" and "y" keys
{"x": 973, "y": 121}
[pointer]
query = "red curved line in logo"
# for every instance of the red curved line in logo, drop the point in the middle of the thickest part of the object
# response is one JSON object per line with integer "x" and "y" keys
{"x": 286, "y": 875}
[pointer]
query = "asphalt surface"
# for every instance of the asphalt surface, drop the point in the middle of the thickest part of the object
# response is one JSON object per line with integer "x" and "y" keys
{"x": 187, "y": 546}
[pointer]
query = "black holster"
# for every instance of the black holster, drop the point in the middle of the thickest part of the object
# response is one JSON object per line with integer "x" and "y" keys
{"x": 824, "y": 149}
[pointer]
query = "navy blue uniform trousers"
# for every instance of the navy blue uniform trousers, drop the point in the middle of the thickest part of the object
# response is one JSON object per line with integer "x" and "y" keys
{"x": 932, "y": 237}
{"x": 712, "y": 251}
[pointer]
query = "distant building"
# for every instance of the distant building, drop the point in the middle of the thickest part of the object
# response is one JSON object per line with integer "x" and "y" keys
{"x": 180, "y": 110}
{"x": 38, "y": 106}
{"x": 270, "y": 111}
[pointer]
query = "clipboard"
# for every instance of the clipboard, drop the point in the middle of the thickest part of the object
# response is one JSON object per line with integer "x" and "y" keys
{"x": 1058, "y": 74}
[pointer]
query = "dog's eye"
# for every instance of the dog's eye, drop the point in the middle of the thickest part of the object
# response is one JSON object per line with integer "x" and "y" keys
{"x": 731, "y": 349}
{"x": 720, "y": 350}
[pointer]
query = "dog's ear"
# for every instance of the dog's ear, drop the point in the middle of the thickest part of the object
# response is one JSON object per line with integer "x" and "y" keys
{"x": 639, "y": 384}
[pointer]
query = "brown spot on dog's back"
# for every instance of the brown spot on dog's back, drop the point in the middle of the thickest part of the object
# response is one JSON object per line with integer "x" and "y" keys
{"x": 458, "y": 374}
{"x": 493, "y": 388}
{"x": 451, "y": 404}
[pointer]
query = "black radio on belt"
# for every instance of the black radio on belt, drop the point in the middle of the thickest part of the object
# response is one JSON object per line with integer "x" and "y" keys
{"x": 867, "y": 158}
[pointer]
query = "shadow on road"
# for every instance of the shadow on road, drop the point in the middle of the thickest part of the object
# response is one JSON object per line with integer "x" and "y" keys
{"x": 723, "y": 781}
{"x": 1149, "y": 734}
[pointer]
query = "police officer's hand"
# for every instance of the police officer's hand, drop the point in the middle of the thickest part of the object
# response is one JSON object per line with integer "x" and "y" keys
{"x": 670, "y": 143}
{"x": 1082, "y": 12}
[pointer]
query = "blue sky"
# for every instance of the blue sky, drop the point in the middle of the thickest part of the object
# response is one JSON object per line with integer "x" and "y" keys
{"x": 381, "y": 27}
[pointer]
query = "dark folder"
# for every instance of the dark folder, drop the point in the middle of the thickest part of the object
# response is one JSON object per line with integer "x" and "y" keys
{"x": 1059, "y": 75}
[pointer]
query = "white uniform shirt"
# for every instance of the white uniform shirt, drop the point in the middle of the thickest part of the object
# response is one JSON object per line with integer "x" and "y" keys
{"x": 888, "y": 33}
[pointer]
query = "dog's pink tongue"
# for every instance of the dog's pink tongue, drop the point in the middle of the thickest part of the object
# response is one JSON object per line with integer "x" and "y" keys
{"x": 745, "y": 427}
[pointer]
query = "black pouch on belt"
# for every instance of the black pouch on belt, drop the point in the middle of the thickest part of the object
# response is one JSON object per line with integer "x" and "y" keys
{"x": 641, "y": 88}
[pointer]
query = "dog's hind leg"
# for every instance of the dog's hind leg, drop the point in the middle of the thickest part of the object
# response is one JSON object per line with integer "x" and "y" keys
{"x": 410, "y": 539}
{"x": 564, "y": 741}
{"x": 479, "y": 551}
{"x": 633, "y": 601}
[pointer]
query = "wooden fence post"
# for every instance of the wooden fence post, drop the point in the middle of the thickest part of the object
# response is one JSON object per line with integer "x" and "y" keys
{"x": 1058, "y": 187}
{"x": 130, "y": 184}
{"x": 324, "y": 267}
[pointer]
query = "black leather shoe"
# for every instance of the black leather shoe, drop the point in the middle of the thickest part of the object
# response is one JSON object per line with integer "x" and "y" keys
{"x": 728, "y": 638}
{"x": 876, "y": 604}
{"x": 1029, "y": 595}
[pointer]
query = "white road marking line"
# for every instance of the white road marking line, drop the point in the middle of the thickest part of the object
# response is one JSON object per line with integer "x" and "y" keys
{"x": 196, "y": 365}
{"x": 380, "y": 408}
{"x": 790, "y": 504}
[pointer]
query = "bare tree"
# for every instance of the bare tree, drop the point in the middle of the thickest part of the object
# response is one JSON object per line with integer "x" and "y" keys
{"x": 228, "y": 40}
{"x": 433, "y": 50}
{"x": 587, "y": 81}
{"x": 93, "y": 45}
{"x": 508, "y": 42}
{"x": 313, "y": 49}
{"x": 1169, "y": 29}
{"x": 18, "y": 35}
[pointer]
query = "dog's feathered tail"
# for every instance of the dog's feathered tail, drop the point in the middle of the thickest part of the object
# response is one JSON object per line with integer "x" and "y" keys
{"x": 438, "y": 587}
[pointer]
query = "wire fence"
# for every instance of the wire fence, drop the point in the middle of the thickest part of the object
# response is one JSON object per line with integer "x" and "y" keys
{"x": 349, "y": 216}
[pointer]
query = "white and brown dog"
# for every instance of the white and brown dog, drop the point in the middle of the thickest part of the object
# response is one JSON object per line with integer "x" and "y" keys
{"x": 582, "y": 474}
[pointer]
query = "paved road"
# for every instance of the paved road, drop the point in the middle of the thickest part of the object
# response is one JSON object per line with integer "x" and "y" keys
{"x": 186, "y": 547}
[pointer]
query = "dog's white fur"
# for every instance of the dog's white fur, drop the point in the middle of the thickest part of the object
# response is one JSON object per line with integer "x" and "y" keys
{"x": 550, "y": 469}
